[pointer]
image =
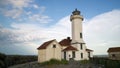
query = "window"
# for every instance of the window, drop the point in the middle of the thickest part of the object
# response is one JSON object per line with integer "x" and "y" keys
{"x": 54, "y": 46}
{"x": 65, "y": 55}
{"x": 69, "y": 55}
{"x": 81, "y": 46}
{"x": 81, "y": 55}
{"x": 113, "y": 55}
{"x": 80, "y": 35}
{"x": 73, "y": 54}
{"x": 89, "y": 54}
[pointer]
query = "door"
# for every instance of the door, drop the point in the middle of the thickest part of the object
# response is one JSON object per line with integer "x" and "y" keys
{"x": 65, "y": 55}
{"x": 73, "y": 54}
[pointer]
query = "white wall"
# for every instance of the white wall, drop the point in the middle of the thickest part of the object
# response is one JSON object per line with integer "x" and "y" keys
{"x": 53, "y": 52}
{"x": 50, "y": 52}
{"x": 42, "y": 55}
{"x": 117, "y": 55}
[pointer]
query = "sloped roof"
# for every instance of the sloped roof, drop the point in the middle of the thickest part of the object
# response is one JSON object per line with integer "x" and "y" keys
{"x": 70, "y": 48}
{"x": 65, "y": 42}
{"x": 45, "y": 44}
{"x": 89, "y": 50}
{"x": 114, "y": 49}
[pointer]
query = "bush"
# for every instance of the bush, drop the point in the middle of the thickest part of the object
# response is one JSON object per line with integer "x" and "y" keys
{"x": 19, "y": 59}
{"x": 63, "y": 61}
{"x": 9, "y": 60}
{"x": 84, "y": 61}
{"x": 2, "y": 64}
{"x": 108, "y": 63}
{"x": 54, "y": 61}
{"x": 2, "y": 60}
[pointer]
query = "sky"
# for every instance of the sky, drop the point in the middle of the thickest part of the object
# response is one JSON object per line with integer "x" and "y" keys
{"x": 26, "y": 24}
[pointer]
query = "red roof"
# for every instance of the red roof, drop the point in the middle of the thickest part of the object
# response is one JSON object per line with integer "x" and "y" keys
{"x": 70, "y": 48}
{"x": 45, "y": 44}
{"x": 89, "y": 50}
{"x": 65, "y": 42}
{"x": 114, "y": 49}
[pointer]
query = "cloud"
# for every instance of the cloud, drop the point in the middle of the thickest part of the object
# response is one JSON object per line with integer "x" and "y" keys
{"x": 16, "y": 3}
{"x": 15, "y": 13}
{"x": 100, "y": 33}
{"x": 15, "y": 9}
{"x": 26, "y": 34}
{"x": 22, "y": 10}
{"x": 35, "y": 6}
{"x": 40, "y": 18}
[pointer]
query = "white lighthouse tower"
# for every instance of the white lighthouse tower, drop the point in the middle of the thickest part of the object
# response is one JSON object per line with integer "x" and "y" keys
{"x": 77, "y": 36}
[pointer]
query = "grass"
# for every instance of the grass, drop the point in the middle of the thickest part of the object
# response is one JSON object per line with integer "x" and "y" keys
{"x": 54, "y": 61}
{"x": 64, "y": 61}
{"x": 84, "y": 61}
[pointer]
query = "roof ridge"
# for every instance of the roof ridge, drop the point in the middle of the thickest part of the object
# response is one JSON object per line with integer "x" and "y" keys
{"x": 70, "y": 48}
{"x": 114, "y": 49}
{"x": 45, "y": 44}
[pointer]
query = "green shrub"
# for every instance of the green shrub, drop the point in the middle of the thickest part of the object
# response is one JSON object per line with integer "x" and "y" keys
{"x": 2, "y": 64}
{"x": 84, "y": 61}
{"x": 108, "y": 63}
{"x": 2, "y": 60}
{"x": 63, "y": 61}
{"x": 54, "y": 61}
{"x": 20, "y": 59}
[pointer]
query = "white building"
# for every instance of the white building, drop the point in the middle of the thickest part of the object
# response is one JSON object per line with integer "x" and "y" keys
{"x": 69, "y": 49}
{"x": 114, "y": 53}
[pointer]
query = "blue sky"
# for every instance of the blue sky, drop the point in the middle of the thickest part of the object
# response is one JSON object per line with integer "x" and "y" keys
{"x": 26, "y": 24}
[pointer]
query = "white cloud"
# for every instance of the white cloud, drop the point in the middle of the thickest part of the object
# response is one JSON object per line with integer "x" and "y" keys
{"x": 19, "y": 3}
{"x": 40, "y": 18}
{"x": 28, "y": 34}
{"x": 15, "y": 9}
{"x": 22, "y": 10}
{"x": 100, "y": 32}
{"x": 15, "y": 13}
{"x": 35, "y": 6}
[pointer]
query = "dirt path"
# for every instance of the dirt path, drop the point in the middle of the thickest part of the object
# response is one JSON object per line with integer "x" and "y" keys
{"x": 74, "y": 64}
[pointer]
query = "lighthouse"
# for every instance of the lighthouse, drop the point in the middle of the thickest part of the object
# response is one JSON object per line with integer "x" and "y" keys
{"x": 68, "y": 49}
{"x": 76, "y": 19}
{"x": 77, "y": 36}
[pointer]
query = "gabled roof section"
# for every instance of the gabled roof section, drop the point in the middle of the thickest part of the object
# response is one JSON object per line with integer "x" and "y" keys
{"x": 65, "y": 42}
{"x": 70, "y": 48}
{"x": 114, "y": 49}
{"x": 45, "y": 44}
{"x": 89, "y": 50}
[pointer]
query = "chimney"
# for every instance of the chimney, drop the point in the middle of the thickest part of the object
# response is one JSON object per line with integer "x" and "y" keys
{"x": 68, "y": 38}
